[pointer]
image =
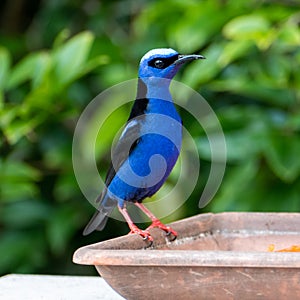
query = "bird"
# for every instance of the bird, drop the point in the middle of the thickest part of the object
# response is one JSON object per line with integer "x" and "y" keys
{"x": 148, "y": 146}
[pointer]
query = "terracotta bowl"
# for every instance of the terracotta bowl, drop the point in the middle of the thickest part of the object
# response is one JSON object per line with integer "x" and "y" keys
{"x": 216, "y": 256}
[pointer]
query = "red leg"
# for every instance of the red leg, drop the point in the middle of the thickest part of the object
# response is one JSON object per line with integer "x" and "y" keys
{"x": 156, "y": 222}
{"x": 133, "y": 228}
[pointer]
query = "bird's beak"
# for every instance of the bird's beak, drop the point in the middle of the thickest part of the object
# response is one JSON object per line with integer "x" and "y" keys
{"x": 186, "y": 58}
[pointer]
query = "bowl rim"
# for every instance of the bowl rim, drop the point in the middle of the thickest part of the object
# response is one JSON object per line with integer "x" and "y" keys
{"x": 179, "y": 258}
{"x": 128, "y": 250}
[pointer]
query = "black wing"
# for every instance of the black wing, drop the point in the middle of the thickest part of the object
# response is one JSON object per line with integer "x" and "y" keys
{"x": 128, "y": 140}
{"x": 126, "y": 144}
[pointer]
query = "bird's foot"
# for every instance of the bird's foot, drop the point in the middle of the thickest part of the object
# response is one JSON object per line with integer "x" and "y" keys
{"x": 170, "y": 233}
{"x": 145, "y": 234}
{"x": 134, "y": 229}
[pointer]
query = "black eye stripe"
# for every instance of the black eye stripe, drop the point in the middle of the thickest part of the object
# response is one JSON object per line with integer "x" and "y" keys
{"x": 167, "y": 61}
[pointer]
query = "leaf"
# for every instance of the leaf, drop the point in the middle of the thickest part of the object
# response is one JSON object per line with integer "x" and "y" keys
{"x": 7, "y": 114}
{"x": 235, "y": 186}
{"x": 293, "y": 121}
{"x": 250, "y": 27}
{"x": 240, "y": 146}
{"x": 62, "y": 225}
{"x": 255, "y": 89}
{"x": 246, "y": 27}
{"x": 282, "y": 154}
{"x": 275, "y": 75}
{"x": 17, "y": 180}
{"x": 25, "y": 214}
{"x": 204, "y": 70}
{"x": 17, "y": 170}
{"x": 70, "y": 58}
{"x": 197, "y": 27}
{"x": 66, "y": 187}
{"x": 22, "y": 252}
{"x": 289, "y": 35}
{"x": 61, "y": 38}
{"x": 12, "y": 191}
{"x": 33, "y": 67}
{"x": 234, "y": 50}
{"x": 5, "y": 62}
{"x": 21, "y": 127}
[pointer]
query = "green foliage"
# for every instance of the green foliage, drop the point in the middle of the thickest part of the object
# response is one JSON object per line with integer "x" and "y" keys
{"x": 38, "y": 205}
{"x": 250, "y": 77}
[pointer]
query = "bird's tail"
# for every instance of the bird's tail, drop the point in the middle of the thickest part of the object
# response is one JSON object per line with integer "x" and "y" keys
{"x": 100, "y": 217}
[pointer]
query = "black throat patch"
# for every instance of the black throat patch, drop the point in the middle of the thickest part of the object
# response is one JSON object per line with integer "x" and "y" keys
{"x": 140, "y": 104}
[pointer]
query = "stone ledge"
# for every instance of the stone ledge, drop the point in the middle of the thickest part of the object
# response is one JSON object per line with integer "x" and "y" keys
{"x": 49, "y": 287}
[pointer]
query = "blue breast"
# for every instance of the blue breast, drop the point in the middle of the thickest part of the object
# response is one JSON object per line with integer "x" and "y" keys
{"x": 153, "y": 158}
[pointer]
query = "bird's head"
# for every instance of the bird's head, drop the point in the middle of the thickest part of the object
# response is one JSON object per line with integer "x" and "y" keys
{"x": 163, "y": 63}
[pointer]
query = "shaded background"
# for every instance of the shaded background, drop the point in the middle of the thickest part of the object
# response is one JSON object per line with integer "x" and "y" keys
{"x": 55, "y": 56}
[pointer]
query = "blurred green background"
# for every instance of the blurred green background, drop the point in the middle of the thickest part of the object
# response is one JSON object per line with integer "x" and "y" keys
{"x": 56, "y": 56}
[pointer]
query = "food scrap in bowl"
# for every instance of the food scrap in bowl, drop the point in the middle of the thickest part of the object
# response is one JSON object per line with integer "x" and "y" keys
{"x": 293, "y": 248}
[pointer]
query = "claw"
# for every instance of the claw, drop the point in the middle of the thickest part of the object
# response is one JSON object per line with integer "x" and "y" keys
{"x": 170, "y": 233}
{"x": 150, "y": 243}
{"x": 134, "y": 229}
{"x": 144, "y": 234}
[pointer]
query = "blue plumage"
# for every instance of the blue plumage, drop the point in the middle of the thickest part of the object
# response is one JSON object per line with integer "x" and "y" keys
{"x": 149, "y": 145}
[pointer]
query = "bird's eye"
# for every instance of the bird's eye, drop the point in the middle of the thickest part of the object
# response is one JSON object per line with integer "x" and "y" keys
{"x": 159, "y": 63}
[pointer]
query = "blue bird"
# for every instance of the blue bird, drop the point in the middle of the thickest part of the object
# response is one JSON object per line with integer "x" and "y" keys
{"x": 149, "y": 145}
